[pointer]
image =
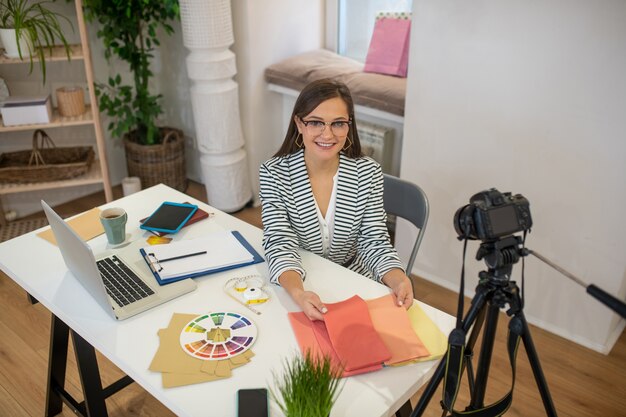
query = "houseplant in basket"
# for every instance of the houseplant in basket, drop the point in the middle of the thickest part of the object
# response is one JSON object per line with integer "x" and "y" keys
{"x": 308, "y": 386}
{"x": 129, "y": 31}
{"x": 28, "y": 29}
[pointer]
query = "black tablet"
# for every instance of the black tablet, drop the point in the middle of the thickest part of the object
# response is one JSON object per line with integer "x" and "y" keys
{"x": 169, "y": 217}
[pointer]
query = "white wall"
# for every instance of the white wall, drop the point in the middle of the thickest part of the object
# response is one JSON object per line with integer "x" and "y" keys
{"x": 267, "y": 32}
{"x": 528, "y": 97}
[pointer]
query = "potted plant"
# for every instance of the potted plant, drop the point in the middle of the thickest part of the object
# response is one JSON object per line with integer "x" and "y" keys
{"x": 308, "y": 387}
{"x": 29, "y": 29}
{"x": 128, "y": 30}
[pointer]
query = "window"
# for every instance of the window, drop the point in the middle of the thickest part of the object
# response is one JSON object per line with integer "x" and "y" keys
{"x": 350, "y": 23}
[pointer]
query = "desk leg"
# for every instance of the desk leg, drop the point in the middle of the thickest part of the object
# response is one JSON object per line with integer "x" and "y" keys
{"x": 59, "y": 333}
{"x": 94, "y": 404}
{"x": 90, "y": 377}
{"x": 32, "y": 299}
{"x": 405, "y": 410}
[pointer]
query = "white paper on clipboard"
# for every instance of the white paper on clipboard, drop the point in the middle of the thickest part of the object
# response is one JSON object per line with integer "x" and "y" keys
{"x": 222, "y": 250}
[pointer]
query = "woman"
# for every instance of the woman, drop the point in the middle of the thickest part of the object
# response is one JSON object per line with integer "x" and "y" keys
{"x": 320, "y": 194}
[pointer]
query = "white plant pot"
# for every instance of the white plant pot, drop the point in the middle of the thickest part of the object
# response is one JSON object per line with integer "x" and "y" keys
{"x": 10, "y": 43}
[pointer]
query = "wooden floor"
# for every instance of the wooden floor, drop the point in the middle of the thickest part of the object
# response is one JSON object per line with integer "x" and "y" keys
{"x": 582, "y": 382}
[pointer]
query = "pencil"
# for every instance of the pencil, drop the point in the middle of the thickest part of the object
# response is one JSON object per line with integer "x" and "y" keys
{"x": 189, "y": 255}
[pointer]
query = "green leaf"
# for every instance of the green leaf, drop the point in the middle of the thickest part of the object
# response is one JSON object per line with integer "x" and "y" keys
{"x": 128, "y": 31}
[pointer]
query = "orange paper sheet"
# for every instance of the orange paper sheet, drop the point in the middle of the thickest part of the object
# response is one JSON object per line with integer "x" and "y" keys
{"x": 394, "y": 327}
{"x": 429, "y": 333}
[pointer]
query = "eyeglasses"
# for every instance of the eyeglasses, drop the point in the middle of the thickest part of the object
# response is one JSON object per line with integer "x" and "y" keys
{"x": 338, "y": 127}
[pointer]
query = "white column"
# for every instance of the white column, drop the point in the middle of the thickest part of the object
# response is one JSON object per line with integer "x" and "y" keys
{"x": 208, "y": 33}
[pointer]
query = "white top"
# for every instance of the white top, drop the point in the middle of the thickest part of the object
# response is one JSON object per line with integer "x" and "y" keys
{"x": 327, "y": 224}
{"x": 130, "y": 344}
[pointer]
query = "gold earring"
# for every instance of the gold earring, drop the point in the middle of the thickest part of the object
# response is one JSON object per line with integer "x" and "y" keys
{"x": 349, "y": 141}
{"x": 299, "y": 145}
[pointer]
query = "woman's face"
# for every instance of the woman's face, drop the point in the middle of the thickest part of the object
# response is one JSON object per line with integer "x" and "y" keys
{"x": 325, "y": 129}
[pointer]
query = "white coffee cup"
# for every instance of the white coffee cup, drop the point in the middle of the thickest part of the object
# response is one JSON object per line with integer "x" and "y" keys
{"x": 131, "y": 185}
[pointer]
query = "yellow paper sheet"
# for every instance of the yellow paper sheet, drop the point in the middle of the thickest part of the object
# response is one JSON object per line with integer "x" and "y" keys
{"x": 87, "y": 226}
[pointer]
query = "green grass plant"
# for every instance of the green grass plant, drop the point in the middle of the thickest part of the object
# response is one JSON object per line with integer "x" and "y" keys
{"x": 308, "y": 387}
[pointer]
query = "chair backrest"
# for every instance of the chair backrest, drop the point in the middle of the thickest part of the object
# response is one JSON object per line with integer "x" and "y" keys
{"x": 408, "y": 201}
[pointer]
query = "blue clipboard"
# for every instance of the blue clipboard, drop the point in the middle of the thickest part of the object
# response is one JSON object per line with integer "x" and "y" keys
{"x": 256, "y": 258}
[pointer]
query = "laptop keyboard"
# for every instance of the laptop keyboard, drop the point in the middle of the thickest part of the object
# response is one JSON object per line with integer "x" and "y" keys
{"x": 121, "y": 283}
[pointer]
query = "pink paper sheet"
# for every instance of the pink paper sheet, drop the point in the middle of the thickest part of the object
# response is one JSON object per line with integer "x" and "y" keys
{"x": 346, "y": 335}
{"x": 313, "y": 337}
{"x": 353, "y": 336}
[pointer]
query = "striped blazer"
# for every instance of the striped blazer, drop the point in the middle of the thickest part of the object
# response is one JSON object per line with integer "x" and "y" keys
{"x": 360, "y": 240}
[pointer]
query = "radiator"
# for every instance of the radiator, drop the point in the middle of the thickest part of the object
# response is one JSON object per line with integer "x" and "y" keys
{"x": 377, "y": 142}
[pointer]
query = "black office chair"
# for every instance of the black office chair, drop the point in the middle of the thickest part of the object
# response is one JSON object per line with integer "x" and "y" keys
{"x": 408, "y": 201}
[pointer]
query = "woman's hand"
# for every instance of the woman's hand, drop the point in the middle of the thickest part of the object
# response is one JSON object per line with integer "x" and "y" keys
{"x": 309, "y": 302}
{"x": 401, "y": 286}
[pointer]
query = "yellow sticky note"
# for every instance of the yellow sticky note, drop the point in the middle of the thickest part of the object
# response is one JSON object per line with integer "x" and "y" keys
{"x": 158, "y": 240}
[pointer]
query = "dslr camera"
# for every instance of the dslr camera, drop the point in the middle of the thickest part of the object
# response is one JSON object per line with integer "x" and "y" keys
{"x": 491, "y": 215}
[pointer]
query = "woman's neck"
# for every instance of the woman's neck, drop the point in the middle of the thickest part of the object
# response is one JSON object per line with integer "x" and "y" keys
{"x": 321, "y": 167}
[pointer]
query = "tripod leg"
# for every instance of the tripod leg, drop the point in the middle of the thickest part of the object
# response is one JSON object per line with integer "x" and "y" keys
{"x": 478, "y": 303}
{"x": 533, "y": 358}
{"x": 484, "y": 360}
{"x": 469, "y": 349}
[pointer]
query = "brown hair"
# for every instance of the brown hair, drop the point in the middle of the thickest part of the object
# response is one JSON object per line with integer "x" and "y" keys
{"x": 310, "y": 97}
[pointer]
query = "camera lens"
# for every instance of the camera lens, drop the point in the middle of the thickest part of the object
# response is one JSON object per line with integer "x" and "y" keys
{"x": 463, "y": 222}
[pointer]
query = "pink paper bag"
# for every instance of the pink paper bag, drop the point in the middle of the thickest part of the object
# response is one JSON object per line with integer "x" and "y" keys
{"x": 388, "y": 52}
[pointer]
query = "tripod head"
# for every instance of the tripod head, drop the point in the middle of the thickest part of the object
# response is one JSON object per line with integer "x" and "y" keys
{"x": 499, "y": 255}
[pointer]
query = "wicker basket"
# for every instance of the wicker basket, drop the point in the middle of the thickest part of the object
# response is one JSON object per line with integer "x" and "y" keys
{"x": 71, "y": 101}
{"x": 156, "y": 164}
{"x": 45, "y": 162}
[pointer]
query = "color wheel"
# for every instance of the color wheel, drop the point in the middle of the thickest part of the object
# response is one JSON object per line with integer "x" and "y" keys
{"x": 217, "y": 336}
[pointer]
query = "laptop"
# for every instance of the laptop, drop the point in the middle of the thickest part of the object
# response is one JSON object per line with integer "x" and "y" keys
{"x": 120, "y": 281}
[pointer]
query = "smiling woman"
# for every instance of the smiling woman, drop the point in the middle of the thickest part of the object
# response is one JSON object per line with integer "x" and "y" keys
{"x": 321, "y": 145}
{"x": 320, "y": 193}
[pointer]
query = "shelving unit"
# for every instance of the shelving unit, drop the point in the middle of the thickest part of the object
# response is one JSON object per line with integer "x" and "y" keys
{"x": 98, "y": 172}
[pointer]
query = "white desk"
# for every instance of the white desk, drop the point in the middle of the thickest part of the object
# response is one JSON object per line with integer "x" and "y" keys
{"x": 38, "y": 267}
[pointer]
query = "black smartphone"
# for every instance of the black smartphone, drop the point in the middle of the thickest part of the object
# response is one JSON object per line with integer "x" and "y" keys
{"x": 252, "y": 403}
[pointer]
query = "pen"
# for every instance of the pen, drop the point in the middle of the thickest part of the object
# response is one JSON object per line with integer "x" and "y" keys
{"x": 182, "y": 256}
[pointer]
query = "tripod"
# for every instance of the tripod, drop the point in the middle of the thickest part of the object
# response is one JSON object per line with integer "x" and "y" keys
{"x": 493, "y": 292}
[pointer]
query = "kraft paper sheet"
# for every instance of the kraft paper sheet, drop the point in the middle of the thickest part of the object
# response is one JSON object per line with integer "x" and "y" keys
{"x": 178, "y": 368}
{"x": 86, "y": 225}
